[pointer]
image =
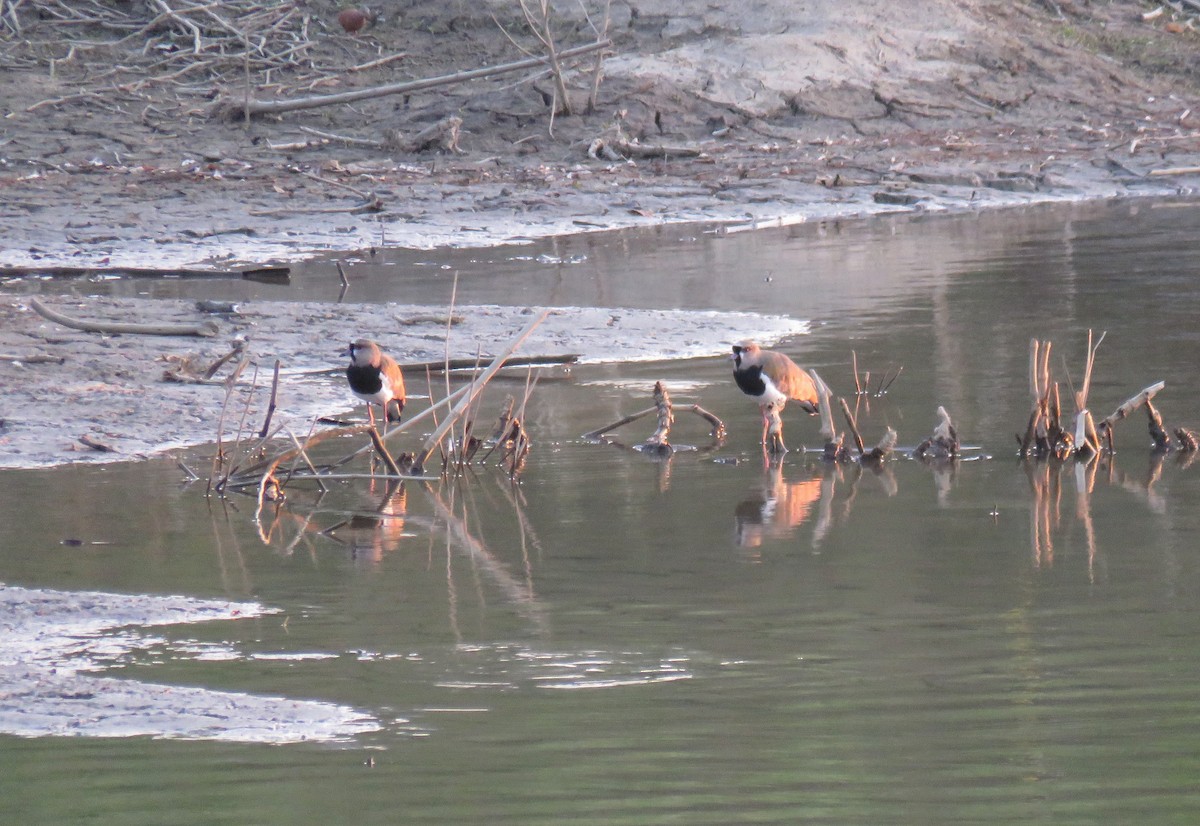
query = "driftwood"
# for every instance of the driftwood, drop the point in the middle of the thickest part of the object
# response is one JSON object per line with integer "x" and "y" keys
{"x": 885, "y": 447}
{"x": 96, "y": 445}
{"x": 442, "y": 135}
{"x": 233, "y": 108}
{"x": 1106, "y": 426}
{"x": 943, "y": 444}
{"x": 512, "y": 439}
{"x": 1044, "y": 434}
{"x": 511, "y": 361}
{"x": 622, "y": 149}
{"x": 271, "y": 275}
{"x": 665, "y": 410}
{"x": 1177, "y": 170}
{"x": 191, "y": 369}
{"x": 1086, "y": 440}
{"x": 33, "y": 358}
{"x": 658, "y": 442}
{"x": 204, "y": 328}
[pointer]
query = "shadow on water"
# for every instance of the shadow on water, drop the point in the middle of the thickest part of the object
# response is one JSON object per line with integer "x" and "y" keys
{"x": 620, "y": 639}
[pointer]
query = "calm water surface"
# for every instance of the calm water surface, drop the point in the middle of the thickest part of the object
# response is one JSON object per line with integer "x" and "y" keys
{"x": 704, "y": 640}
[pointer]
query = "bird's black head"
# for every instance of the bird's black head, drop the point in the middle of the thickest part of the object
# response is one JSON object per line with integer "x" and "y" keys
{"x": 737, "y": 355}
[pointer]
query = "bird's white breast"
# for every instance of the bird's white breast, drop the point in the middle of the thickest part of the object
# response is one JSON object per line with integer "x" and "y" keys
{"x": 772, "y": 395}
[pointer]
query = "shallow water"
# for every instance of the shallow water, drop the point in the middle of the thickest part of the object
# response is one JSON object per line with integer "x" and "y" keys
{"x": 623, "y": 640}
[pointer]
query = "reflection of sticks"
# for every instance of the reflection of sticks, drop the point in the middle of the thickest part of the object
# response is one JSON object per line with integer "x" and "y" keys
{"x": 1085, "y": 479}
{"x": 204, "y": 328}
{"x": 251, "y": 476}
{"x": 521, "y": 594}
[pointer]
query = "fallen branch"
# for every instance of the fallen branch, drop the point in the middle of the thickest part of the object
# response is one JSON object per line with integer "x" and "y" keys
{"x": 442, "y": 135}
{"x": 189, "y": 369}
{"x": 1158, "y": 433}
{"x": 94, "y": 444}
{"x": 231, "y": 108}
{"x": 33, "y": 358}
{"x": 279, "y": 275}
{"x": 632, "y": 417}
{"x": 884, "y": 449}
{"x": 620, "y": 149}
{"x": 469, "y": 364}
{"x": 1134, "y": 402}
{"x": 205, "y": 328}
{"x": 1177, "y": 170}
{"x": 943, "y": 444}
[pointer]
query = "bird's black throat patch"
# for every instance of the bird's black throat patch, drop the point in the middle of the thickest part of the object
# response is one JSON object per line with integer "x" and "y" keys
{"x": 750, "y": 380}
{"x": 366, "y": 380}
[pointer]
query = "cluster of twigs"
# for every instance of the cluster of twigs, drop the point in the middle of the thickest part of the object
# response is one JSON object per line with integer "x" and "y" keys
{"x": 241, "y": 467}
{"x": 1048, "y": 434}
{"x": 163, "y": 41}
{"x": 658, "y": 442}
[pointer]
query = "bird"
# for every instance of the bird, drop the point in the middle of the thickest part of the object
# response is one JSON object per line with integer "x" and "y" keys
{"x": 375, "y": 378}
{"x": 772, "y": 379}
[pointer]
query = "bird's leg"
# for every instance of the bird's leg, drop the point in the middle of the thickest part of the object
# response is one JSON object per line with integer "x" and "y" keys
{"x": 774, "y": 425}
{"x": 766, "y": 423}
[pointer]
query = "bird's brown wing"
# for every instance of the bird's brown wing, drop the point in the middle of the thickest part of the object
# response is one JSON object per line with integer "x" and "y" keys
{"x": 790, "y": 378}
{"x": 388, "y": 366}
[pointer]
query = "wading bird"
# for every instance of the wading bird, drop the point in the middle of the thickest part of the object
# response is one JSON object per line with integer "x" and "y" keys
{"x": 771, "y": 379}
{"x": 375, "y": 378}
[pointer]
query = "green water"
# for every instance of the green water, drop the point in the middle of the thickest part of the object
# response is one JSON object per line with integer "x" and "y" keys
{"x": 622, "y": 640}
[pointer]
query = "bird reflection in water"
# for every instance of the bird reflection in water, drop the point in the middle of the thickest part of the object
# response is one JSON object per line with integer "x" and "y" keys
{"x": 371, "y": 534}
{"x": 775, "y": 508}
{"x": 778, "y": 507}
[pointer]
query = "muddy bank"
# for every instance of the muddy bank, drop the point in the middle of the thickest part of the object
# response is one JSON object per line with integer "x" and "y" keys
{"x": 114, "y": 394}
{"x": 112, "y": 155}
